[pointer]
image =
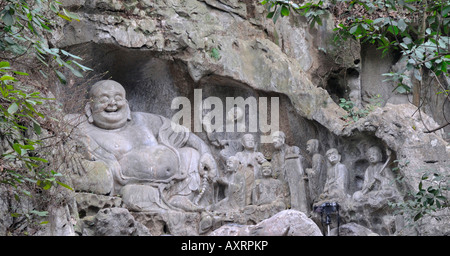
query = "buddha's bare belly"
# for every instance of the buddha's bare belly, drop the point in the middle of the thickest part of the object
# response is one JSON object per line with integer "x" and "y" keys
{"x": 149, "y": 163}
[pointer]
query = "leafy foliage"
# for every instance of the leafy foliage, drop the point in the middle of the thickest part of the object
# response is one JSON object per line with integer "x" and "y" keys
{"x": 215, "y": 54}
{"x": 310, "y": 9}
{"x": 24, "y": 30}
{"x": 354, "y": 113}
{"x": 21, "y": 166}
{"x": 430, "y": 197}
{"x": 419, "y": 29}
{"x": 25, "y": 27}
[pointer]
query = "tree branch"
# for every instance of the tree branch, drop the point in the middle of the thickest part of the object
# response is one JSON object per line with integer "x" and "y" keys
{"x": 438, "y": 128}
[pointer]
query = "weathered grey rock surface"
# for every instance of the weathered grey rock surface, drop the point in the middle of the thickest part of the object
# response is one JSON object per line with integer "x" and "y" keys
{"x": 284, "y": 223}
{"x": 352, "y": 229}
{"x": 159, "y": 50}
{"x": 114, "y": 222}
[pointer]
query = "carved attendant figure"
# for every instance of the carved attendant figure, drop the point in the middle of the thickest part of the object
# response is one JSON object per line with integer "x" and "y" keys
{"x": 208, "y": 188}
{"x": 232, "y": 142}
{"x": 379, "y": 184}
{"x": 287, "y": 162}
{"x": 267, "y": 190}
{"x": 336, "y": 185}
{"x": 234, "y": 183}
{"x": 317, "y": 173}
{"x": 278, "y": 155}
{"x": 250, "y": 164}
{"x": 378, "y": 189}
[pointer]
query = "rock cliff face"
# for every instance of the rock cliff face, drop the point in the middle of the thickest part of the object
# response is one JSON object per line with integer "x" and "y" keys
{"x": 159, "y": 50}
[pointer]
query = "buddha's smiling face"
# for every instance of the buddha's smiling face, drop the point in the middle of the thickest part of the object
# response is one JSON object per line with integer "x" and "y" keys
{"x": 109, "y": 107}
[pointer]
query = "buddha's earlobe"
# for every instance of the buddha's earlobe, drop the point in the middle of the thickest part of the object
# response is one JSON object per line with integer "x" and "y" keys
{"x": 129, "y": 112}
{"x": 88, "y": 112}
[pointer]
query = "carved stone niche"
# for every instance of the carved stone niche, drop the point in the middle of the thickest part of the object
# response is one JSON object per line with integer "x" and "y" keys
{"x": 365, "y": 201}
{"x": 152, "y": 81}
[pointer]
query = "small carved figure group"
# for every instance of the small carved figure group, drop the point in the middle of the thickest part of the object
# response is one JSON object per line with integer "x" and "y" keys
{"x": 249, "y": 182}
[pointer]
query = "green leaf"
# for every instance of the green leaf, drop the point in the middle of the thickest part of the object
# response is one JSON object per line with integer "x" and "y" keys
{"x": 84, "y": 68}
{"x": 17, "y": 148}
{"x": 20, "y": 73}
{"x": 6, "y": 78}
{"x": 32, "y": 29}
{"x": 215, "y": 53}
{"x": 8, "y": 19}
{"x": 41, "y": 214}
{"x": 37, "y": 128}
{"x": 410, "y": 7}
{"x": 4, "y": 64}
{"x": 401, "y": 89}
{"x": 445, "y": 11}
{"x": 13, "y": 108}
{"x": 313, "y": 22}
{"x": 417, "y": 75}
{"x": 407, "y": 40}
{"x": 47, "y": 186}
{"x": 29, "y": 147}
{"x": 443, "y": 198}
{"x": 356, "y": 30}
{"x": 71, "y": 55}
{"x": 75, "y": 72}
{"x": 284, "y": 11}
{"x": 376, "y": 21}
{"x": 38, "y": 159}
{"x": 61, "y": 77}
{"x": 276, "y": 15}
{"x": 15, "y": 214}
{"x": 64, "y": 185}
{"x": 50, "y": 179}
{"x": 71, "y": 15}
{"x": 402, "y": 25}
{"x": 43, "y": 74}
{"x": 444, "y": 67}
{"x": 26, "y": 192}
{"x": 54, "y": 8}
{"x": 64, "y": 17}
{"x": 393, "y": 29}
{"x": 56, "y": 174}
